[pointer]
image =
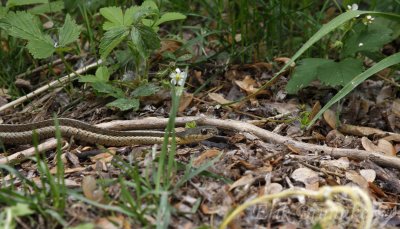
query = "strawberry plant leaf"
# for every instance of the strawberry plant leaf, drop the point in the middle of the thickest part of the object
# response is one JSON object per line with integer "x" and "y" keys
{"x": 69, "y": 32}
{"x": 102, "y": 75}
{"x": 50, "y": 7}
{"x": 125, "y": 104}
{"x": 366, "y": 38}
{"x": 145, "y": 90}
{"x": 114, "y": 16}
{"x": 305, "y": 73}
{"x": 108, "y": 89}
{"x": 111, "y": 39}
{"x": 339, "y": 73}
{"x": 40, "y": 48}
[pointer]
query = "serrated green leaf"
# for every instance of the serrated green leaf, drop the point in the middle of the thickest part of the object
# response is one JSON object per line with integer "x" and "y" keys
{"x": 50, "y": 7}
{"x": 114, "y": 16}
{"x": 40, "y": 49}
{"x": 366, "y": 38}
{"x": 12, "y": 3}
{"x": 108, "y": 89}
{"x": 145, "y": 90}
{"x": 125, "y": 104}
{"x": 170, "y": 16}
{"x": 144, "y": 39}
{"x": 339, "y": 73}
{"x": 143, "y": 13}
{"x": 111, "y": 39}
{"x": 69, "y": 32}
{"x": 184, "y": 57}
{"x": 26, "y": 26}
{"x": 129, "y": 13}
{"x": 149, "y": 4}
{"x": 304, "y": 73}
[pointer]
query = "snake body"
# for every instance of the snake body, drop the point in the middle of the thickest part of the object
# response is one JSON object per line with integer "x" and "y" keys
{"x": 23, "y": 133}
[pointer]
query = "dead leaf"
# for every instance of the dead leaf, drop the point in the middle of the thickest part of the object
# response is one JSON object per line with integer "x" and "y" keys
{"x": 218, "y": 98}
{"x": 360, "y": 130}
{"x": 185, "y": 101}
{"x": 211, "y": 153}
{"x": 284, "y": 60}
{"x": 330, "y": 118}
{"x": 316, "y": 108}
{"x": 306, "y": 176}
{"x": 341, "y": 163}
{"x": 395, "y": 107}
{"x": 357, "y": 179}
{"x": 247, "y": 84}
{"x": 386, "y": 147}
{"x": 383, "y": 146}
{"x": 368, "y": 174}
{"x": 244, "y": 180}
{"x": 113, "y": 222}
{"x": 89, "y": 188}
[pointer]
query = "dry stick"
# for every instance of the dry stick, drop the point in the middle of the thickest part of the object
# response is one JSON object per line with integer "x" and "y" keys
{"x": 55, "y": 83}
{"x": 265, "y": 135}
{"x": 40, "y": 68}
{"x": 377, "y": 157}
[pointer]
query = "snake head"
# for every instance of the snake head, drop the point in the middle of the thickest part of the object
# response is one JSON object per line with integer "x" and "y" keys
{"x": 196, "y": 134}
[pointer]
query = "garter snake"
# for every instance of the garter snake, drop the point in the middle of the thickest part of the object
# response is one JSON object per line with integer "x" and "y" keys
{"x": 23, "y": 133}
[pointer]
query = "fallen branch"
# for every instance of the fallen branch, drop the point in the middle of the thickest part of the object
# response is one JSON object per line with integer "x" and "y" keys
{"x": 54, "y": 83}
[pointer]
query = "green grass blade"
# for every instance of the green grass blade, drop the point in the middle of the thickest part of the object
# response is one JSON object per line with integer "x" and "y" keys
{"x": 387, "y": 62}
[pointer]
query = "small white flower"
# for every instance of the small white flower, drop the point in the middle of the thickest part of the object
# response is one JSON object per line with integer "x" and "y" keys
{"x": 352, "y": 7}
{"x": 368, "y": 20}
{"x": 360, "y": 44}
{"x": 178, "y": 77}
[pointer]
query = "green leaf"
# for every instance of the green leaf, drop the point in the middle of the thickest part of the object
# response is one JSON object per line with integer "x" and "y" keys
{"x": 50, "y": 7}
{"x": 145, "y": 90}
{"x": 385, "y": 63}
{"x": 3, "y": 12}
{"x": 41, "y": 48}
{"x": 366, "y": 38}
{"x": 114, "y": 16}
{"x": 305, "y": 72}
{"x": 108, "y": 89}
{"x": 125, "y": 104}
{"x": 102, "y": 75}
{"x": 111, "y": 39}
{"x": 12, "y": 3}
{"x": 339, "y": 73}
{"x": 129, "y": 13}
{"x": 69, "y": 32}
{"x": 26, "y": 26}
{"x": 144, "y": 39}
{"x": 170, "y": 16}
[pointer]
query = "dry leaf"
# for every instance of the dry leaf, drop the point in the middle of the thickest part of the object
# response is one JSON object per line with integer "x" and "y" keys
{"x": 357, "y": 179}
{"x": 218, "y": 98}
{"x": 89, "y": 188}
{"x": 244, "y": 180}
{"x": 386, "y": 147}
{"x": 247, "y": 84}
{"x": 284, "y": 60}
{"x": 185, "y": 101}
{"x": 211, "y": 153}
{"x": 341, "y": 163}
{"x": 330, "y": 118}
{"x": 306, "y": 176}
{"x": 368, "y": 174}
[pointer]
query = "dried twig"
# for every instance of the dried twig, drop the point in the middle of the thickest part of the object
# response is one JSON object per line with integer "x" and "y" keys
{"x": 50, "y": 85}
